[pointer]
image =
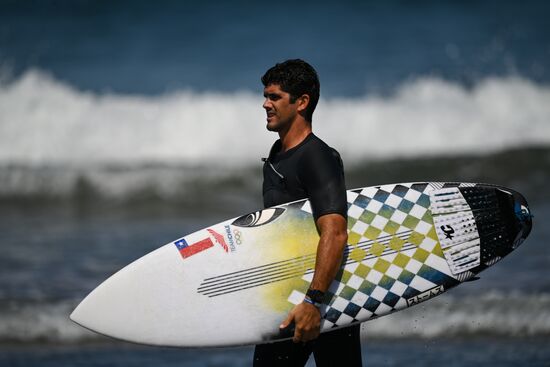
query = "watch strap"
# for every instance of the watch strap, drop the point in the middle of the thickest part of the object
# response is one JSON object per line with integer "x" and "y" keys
{"x": 315, "y": 297}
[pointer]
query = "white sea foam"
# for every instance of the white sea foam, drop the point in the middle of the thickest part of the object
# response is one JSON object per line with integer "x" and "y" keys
{"x": 45, "y": 121}
{"x": 41, "y": 323}
{"x": 492, "y": 314}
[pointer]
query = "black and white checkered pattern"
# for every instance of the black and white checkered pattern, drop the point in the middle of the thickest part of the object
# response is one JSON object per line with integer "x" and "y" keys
{"x": 372, "y": 286}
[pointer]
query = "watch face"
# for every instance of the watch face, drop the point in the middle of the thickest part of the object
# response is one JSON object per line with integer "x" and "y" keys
{"x": 315, "y": 295}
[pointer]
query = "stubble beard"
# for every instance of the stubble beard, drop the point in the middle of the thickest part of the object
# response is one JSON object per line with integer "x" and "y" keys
{"x": 275, "y": 126}
{"x": 279, "y": 125}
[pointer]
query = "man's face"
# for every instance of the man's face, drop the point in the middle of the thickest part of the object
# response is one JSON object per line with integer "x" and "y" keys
{"x": 280, "y": 112}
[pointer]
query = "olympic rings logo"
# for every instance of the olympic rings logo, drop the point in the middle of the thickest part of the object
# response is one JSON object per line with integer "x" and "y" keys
{"x": 237, "y": 236}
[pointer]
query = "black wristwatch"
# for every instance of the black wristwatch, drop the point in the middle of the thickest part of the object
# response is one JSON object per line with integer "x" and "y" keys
{"x": 315, "y": 297}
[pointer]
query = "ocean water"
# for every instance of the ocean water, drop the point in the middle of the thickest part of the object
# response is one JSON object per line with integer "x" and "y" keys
{"x": 124, "y": 125}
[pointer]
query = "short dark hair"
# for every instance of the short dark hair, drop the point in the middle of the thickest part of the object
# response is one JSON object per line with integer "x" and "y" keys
{"x": 296, "y": 77}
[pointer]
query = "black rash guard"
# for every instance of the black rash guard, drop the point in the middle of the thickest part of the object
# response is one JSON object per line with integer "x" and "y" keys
{"x": 310, "y": 170}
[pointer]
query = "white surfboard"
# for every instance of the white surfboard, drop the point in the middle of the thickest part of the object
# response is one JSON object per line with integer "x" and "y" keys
{"x": 234, "y": 282}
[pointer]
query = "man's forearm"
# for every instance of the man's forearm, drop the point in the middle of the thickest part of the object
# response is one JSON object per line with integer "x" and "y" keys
{"x": 333, "y": 240}
{"x": 305, "y": 315}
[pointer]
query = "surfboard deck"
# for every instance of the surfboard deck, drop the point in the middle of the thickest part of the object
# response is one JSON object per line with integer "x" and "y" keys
{"x": 234, "y": 282}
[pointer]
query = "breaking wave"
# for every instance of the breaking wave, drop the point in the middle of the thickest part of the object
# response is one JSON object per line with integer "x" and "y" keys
{"x": 44, "y": 121}
{"x": 57, "y": 141}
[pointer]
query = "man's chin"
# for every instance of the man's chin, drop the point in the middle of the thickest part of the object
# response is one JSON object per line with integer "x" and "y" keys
{"x": 272, "y": 127}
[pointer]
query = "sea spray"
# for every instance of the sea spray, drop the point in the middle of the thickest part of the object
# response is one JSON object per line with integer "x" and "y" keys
{"x": 494, "y": 314}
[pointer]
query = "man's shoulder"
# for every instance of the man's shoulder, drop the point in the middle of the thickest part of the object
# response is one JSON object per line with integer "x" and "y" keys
{"x": 316, "y": 147}
{"x": 314, "y": 144}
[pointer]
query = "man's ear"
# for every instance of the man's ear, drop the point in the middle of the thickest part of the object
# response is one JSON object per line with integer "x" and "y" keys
{"x": 303, "y": 102}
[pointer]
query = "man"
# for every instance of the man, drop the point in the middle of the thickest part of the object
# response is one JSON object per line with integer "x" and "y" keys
{"x": 299, "y": 166}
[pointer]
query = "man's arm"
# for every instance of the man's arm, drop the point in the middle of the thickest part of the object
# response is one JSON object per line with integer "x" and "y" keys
{"x": 333, "y": 239}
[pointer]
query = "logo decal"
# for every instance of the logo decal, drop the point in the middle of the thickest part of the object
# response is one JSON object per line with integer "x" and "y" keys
{"x": 238, "y": 237}
{"x": 219, "y": 239}
{"x": 448, "y": 230}
{"x": 425, "y": 295}
{"x": 233, "y": 237}
{"x": 259, "y": 218}
{"x": 187, "y": 250}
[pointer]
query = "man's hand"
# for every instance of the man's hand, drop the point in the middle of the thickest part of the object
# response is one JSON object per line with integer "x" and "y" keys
{"x": 307, "y": 321}
{"x": 333, "y": 238}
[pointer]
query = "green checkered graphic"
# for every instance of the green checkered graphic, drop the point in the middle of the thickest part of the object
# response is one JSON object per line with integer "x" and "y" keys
{"x": 393, "y": 254}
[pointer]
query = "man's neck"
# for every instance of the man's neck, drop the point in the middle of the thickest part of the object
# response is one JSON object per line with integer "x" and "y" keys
{"x": 298, "y": 131}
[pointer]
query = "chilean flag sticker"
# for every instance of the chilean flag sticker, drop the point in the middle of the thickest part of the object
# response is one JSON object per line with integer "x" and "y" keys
{"x": 187, "y": 250}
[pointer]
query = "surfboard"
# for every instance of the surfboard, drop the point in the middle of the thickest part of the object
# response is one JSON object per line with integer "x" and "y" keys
{"x": 234, "y": 282}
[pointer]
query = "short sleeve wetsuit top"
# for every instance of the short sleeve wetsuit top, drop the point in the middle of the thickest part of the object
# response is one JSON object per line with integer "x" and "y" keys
{"x": 315, "y": 171}
{"x": 310, "y": 170}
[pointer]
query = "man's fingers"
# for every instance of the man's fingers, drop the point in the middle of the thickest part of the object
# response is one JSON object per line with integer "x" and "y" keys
{"x": 287, "y": 321}
{"x": 297, "y": 336}
{"x": 313, "y": 335}
{"x": 301, "y": 335}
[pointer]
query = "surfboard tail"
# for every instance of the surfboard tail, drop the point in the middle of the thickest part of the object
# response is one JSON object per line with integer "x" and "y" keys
{"x": 478, "y": 224}
{"x": 506, "y": 227}
{"x": 521, "y": 222}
